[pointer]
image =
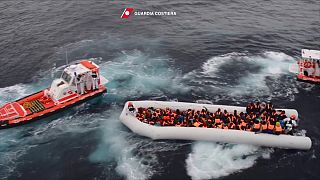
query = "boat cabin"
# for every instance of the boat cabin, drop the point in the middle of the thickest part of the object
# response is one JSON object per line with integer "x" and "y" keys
{"x": 309, "y": 65}
{"x": 79, "y": 78}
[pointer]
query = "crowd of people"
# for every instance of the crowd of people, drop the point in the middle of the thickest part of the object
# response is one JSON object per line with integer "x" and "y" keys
{"x": 259, "y": 117}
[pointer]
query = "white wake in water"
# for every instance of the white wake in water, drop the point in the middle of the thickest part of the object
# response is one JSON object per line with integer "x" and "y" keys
{"x": 11, "y": 146}
{"x": 116, "y": 146}
{"x": 212, "y": 160}
{"x": 135, "y": 156}
{"x": 241, "y": 76}
{"x": 16, "y": 142}
{"x": 133, "y": 75}
{"x": 270, "y": 64}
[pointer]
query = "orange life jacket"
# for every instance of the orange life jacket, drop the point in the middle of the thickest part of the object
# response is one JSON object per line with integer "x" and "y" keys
{"x": 256, "y": 126}
{"x": 166, "y": 118}
{"x": 217, "y": 121}
{"x": 270, "y": 126}
{"x": 278, "y": 129}
{"x": 243, "y": 124}
{"x": 264, "y": 126}
{"x": 196, "y": 124}
{"x": 174, "y": 114}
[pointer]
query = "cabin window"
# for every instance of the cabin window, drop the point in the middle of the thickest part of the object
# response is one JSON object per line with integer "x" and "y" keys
{"x": 65, "y": 76}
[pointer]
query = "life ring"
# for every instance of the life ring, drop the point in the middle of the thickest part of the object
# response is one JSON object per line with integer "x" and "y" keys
{"x": 307, "y": 64}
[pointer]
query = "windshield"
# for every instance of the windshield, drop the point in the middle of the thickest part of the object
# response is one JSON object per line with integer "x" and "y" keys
{"x": 65, "y": 76}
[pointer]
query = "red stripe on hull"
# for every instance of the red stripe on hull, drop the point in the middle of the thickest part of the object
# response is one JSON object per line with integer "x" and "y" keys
{"x": 307, "y": 78}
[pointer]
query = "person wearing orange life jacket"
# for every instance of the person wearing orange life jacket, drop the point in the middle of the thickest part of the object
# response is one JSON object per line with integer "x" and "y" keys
{"x": 218, "y": 113}
{"x": 205, "y": 125}
{"x": 264, "y": 127}
{"x": 217, "y": 121}
{"x": 219, "y": 126}
{"x": 178, "y": 125}
{"x": 270, "y": 127}
{"x": 235, "y": 113}
{"x": 225, "y": 115}
{"x": 274, "y": 114}
{"x": 232, "y": 118}
{"x": 231, "y": 125}
{"x": 256, "y": 108}
{"x": 269, "y": 108}
{"x": 201, "y": 123}
{"x": 166, "y": 117}
{"x": 243, "y": 125}
{"x": 238, "y": 124}
{"x": 210, "y": 121}
{"x": 248, "y": 128}
{"x": 249, "y": 108}
{"x": 196, "y": 124}
{"x": 278, "y": 129}
{"x": 225, "y": 126}
{"x": 256, "y": 126}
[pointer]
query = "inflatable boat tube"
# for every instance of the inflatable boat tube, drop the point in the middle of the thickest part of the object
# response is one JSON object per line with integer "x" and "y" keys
{"x": 209, "y": 134}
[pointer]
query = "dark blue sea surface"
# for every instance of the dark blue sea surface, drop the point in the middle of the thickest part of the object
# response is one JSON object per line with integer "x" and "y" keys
{"x": 220, "y": 52}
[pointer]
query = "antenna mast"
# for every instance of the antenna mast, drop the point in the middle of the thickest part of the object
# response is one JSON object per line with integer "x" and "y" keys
{"x": 67, "y": 57}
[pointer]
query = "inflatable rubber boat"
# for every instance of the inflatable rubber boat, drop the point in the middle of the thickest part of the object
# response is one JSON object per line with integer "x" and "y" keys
{"x": 233, "y": 136}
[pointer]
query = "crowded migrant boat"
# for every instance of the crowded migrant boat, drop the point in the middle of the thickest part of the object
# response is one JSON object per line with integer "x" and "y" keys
{"x": 258, "y": 117}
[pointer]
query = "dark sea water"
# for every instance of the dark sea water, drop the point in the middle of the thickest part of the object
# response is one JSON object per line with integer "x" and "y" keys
{"x": 220, "y": 52}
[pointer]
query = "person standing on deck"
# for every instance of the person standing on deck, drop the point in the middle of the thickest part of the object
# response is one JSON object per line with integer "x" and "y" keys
{"x": 77, "y": 80}
{"x": 88, "y": 78}
{"x": 95, "y": 81}
{"x": 81, "y": 84}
